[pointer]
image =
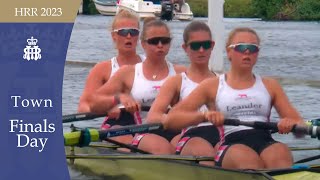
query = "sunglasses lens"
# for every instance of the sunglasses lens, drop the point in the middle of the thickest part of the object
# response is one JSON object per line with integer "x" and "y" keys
{"x": 243, "y": 47}
{"x": 156, "y": 40}
{"x": 125, "y": 32}
{"x": 204, "y": 44}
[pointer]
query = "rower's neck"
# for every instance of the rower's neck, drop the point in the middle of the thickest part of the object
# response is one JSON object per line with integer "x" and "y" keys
{"x": 241, "y": 75}
{"x": 155, "y": 64}
{"x": 199, "y": 73}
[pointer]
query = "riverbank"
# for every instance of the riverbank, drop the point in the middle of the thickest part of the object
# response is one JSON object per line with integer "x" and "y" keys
{"x": 271, "y": 10}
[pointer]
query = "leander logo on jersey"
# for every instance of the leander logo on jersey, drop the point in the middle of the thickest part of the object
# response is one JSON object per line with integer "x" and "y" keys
{"x": 32, "y": 51}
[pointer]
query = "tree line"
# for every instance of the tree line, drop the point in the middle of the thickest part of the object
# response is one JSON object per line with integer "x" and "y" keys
{"x": 265, "y": 9}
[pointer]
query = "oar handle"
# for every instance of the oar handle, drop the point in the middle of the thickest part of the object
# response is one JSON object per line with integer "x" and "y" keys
{"x": 89, "y": 116}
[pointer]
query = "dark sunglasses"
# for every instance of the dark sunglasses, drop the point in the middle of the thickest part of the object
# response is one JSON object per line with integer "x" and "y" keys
{"x": 125, "y": 31}
{"x": 243, "y": 47}
{"x": 198, "y": 44}
{"x": 156, "y": 40}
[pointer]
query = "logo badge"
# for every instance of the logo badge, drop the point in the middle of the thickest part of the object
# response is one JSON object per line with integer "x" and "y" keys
{"x": 32, "y": 51}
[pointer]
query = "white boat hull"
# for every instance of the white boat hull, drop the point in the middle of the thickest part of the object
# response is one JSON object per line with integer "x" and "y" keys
{"x": 105, "y": 9}
{"x": 144, "y": 9}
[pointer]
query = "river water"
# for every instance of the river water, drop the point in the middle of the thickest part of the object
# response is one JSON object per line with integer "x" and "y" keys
{"x": 289, "y": 51}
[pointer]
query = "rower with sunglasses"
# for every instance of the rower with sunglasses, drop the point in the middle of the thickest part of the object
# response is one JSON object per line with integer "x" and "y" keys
{"x": 241, "y": 94}
{"x": 125, "y": 34}
{"x": 138, "y": 85}
{"x": 200, "y": 139}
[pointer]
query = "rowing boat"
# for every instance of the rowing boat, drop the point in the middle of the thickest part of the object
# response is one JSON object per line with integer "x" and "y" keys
{"x": 105, "y": 162}
{"x": 101, "y": 160}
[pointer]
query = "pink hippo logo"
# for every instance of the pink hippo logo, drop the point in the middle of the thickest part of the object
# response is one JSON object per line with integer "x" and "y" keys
{"x": 156, "y": 87}
{"x": 242, "y": 95}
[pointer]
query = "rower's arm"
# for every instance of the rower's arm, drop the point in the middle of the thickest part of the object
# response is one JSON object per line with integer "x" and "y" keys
{"x": 186, "y": 113}
{"x": 98, "y": 75}
{"x": 168, "y": 95}
{"x": 108, "y": 96}
{"x": 281, "y": 101}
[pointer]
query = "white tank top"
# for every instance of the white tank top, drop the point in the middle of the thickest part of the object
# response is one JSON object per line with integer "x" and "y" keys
{"x": 187, "y": 86}
{"x": 115, "y": 65}
{"x": 252, "y": 104}
{"x": 145, "y": 91}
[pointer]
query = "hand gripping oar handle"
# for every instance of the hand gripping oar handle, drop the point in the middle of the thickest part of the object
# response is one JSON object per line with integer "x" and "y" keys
{"x": 313, "y": 131}
{"x": 84, "y": 137}
{"x": 89, "y": 116}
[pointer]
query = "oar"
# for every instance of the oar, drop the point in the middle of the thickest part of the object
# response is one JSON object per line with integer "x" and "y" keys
{"x": 84, "y": 137}
{"x": 304, "y": 148}
{"x": 313, "y": 131}
{"x": 128, "y": 146}
{"x": 307, "y": 159}
{"x": 141, "y": 157}
{"x": 89, "y": 116}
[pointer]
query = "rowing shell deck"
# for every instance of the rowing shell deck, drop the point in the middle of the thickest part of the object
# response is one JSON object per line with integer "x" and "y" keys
{"x": 104, "y": 162}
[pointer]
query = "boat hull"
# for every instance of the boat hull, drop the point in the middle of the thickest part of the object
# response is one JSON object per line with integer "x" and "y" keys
{"x": 107, "y": 9}
{"x": 144, "y": 9}
{"x": 106, "y": 163}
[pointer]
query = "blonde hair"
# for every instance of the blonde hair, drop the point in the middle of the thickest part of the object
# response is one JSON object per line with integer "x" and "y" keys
{"x": 234, "y": 32}
{"x": 152, "y": 22}
{"x": 124, "y": 14}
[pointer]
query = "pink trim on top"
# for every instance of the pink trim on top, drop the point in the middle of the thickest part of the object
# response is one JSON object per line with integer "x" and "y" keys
{"x": 137, "y": 118}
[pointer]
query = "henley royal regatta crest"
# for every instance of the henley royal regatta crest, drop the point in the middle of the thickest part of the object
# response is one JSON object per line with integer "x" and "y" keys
{"x": 32, "y": 51}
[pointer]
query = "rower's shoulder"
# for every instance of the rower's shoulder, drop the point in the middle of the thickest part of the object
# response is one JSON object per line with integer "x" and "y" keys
{"x": 270, "y": 81}
{"x": 125, "y": 71}
{"x": 212, "y": 81}
{"x": 102, "y": 65}
{"x": 101, "y": 69}
{"x": 174, "y": 80}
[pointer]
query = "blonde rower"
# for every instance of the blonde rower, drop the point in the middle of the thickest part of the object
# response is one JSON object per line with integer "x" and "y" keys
{"x": 125, "y": 35}
{"x": 244, "y": 95}
{"x": 137, "y": 85}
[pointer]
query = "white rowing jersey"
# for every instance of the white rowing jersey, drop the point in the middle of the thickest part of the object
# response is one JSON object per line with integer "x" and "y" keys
{"x": 251, "y": 104}
{"x": 145, "y": 91}
{"x": 115, "y": 65}
{"x": 187, "y": 86}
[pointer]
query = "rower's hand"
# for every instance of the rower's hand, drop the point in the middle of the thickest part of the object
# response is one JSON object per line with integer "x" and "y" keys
{"x": 215, "y": 117}
{"x": 285, "y": 125}
{"x": 114, "y": 113}
{"x": 129, "y": 103}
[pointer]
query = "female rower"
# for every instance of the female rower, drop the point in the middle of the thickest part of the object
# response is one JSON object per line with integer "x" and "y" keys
{"x": 246, "y": 96}
{"x": 137, "y": 85}
{"x": 201, "y": 139}
{"x": 125, "y": 35}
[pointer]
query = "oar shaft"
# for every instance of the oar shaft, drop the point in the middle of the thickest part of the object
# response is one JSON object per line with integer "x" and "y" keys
{"x": 84, "y": 137}
{"x": 131, "y": 129}
{"x": 80, "y": 117}
{"x": 313, "y": 131}
{"x": 89, "y": 116}
{"x": 254, "y": 124}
